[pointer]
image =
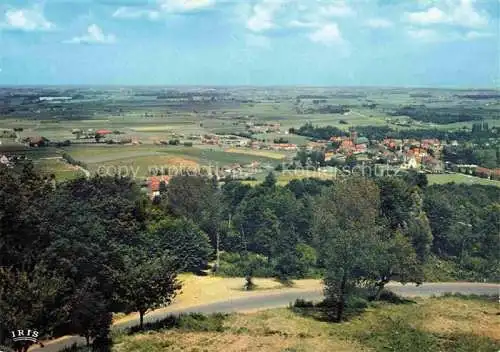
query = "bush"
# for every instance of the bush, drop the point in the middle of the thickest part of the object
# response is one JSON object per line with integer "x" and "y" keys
{"x": 389, "y": 296}
{"x": 200, "y": 322}
{"x": 187, "y": 322}
{"x": 188, "y": 144}
{"x": 356, "y": 303}
{"x": 301, "y": 303}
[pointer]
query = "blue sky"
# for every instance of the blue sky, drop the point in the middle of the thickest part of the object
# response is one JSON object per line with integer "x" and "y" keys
{"x": 261, "y": 42}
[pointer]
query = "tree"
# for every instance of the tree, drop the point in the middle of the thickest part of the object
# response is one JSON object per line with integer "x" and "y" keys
{"x": 182, "y": 238}
{"x": 149, "y": 284}
{"x": 395, "y": 201}
{"x": 397, "y": 261}
{"x": 90, "y": 315}
{"x": 270, "y": 180}
{"x": 346, "y": 236}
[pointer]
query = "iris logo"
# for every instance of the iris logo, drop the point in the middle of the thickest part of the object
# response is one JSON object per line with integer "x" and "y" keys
{"x": 24, "y": 335}
{"x": 21, "y": 340}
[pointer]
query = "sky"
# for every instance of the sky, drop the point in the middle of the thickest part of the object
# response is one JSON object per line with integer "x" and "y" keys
{"x": 427, "y": 43}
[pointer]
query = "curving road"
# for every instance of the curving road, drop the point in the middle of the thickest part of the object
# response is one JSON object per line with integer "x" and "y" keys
{"x": 282, "y": 299}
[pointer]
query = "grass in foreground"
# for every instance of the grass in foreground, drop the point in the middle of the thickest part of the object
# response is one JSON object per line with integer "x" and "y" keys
{"x": 434, "y": 324}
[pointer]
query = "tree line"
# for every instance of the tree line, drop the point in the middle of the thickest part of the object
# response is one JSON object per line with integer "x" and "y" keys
{"x": 480, "y": 133}
{"x": 73, "y": 255}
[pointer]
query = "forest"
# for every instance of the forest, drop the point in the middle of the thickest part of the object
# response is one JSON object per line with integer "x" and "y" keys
{"x": 74, "y": 253}
{"x": 444, "y": 115}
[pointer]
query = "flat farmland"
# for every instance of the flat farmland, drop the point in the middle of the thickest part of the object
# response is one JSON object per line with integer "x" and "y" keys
{"x": 61, "y": 170}
{"x": 140, "y": 159}
{"x": 260, "y": 153}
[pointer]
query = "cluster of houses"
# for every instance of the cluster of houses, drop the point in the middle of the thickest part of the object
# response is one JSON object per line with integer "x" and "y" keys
{"x": 224, "y": 140}
{"x": 263, "y": 128}
{"x": 406, "y": 153}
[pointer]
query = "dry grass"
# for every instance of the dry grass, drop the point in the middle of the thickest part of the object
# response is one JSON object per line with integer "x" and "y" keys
{"x": 452, "y": 315}
{"x": 231, "y": 342}
{"x": 272, "y": 330}
{"x": 427, "y": 325}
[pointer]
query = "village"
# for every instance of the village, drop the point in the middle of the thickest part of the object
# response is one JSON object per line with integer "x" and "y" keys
{"x": 320, "y": 156}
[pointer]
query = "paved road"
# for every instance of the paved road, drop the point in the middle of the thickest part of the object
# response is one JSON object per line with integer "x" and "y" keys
{"x": 283, "y": 299}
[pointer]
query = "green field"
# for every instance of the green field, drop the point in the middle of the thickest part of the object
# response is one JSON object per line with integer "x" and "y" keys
{"x": 460, "y": 178}
{"x": 139, "y": 160}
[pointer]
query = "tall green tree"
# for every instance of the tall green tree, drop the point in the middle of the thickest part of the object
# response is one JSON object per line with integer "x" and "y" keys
{"x": 346, "y": 235}
{"x": 183, "y": 239}
{"x": 149, "y": 284}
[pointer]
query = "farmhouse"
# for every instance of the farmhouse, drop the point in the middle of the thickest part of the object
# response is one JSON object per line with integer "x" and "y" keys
{"x": 154, "y": 183}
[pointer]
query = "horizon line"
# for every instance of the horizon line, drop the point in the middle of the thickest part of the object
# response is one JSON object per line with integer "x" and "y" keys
{"x": 208, "y": 86}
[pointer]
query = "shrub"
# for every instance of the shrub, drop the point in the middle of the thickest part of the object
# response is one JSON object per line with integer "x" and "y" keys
{"x": 389, "y": 296}
{"x": 187, "y": 322}
{"x": 301, "y": 303}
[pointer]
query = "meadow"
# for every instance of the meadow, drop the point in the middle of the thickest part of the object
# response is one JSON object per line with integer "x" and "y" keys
{"x": 460, "y": 178}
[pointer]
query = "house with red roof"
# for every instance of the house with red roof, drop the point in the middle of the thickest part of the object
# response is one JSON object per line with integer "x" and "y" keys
{"x": 154, "y": 184}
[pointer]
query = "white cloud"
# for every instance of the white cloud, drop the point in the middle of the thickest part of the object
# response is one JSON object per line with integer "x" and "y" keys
{"x": 94, "y": 35}
{"x": 161, "y": 8}
{"x": 185, "y": 5}
{"x": 430, "y": 16}
{"x": 466, "y": 15}
{"x": 262, "y": 17}
{"x": 379, "y": 23}
{"x": 338, "y": 8}
{"x": 134, "y": 13}
{"x": 328, "y": 34}
{"x": 453, "y": 12}
{"x": 27, "y": 19}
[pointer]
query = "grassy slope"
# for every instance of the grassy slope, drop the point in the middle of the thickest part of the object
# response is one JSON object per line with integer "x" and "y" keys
{"x": 436, "y": 324}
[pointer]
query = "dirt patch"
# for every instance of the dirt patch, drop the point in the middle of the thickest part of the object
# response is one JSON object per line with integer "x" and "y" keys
{"x": 177, "y": 161}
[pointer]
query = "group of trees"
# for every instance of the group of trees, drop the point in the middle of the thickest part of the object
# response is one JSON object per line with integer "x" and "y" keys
{"x": 317, "y": 132}
{"x": 486, "y": 156}
{"x": 444, "y": 115}
{"x": 72, "y": 255}
{"x": 479, "y": 133}
{"x": 354, "y": 231}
